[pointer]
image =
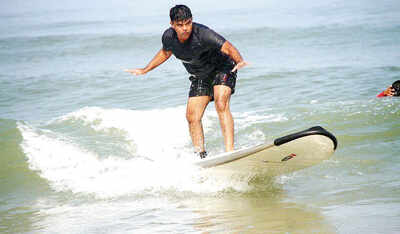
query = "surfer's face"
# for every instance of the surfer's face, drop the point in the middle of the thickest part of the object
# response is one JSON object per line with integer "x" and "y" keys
{"x": 183, "y": 28}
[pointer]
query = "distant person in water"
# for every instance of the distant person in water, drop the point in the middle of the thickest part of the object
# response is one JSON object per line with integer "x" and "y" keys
{"x": 212, "y": 62}
{"x": 391, "y": 91}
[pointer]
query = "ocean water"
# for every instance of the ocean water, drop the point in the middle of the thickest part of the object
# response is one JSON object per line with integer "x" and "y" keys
{"x": 88, "y": 148}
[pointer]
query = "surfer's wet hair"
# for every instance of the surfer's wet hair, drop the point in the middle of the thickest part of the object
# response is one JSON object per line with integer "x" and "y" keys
{"x": 179, "y": 13}
{"x": 396, "y": 87}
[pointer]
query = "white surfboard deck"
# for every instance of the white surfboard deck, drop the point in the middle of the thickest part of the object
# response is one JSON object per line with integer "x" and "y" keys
{"x": 302, "y": 151}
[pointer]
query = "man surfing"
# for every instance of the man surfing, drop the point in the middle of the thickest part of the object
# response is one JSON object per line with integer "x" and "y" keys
{"x": 212, "y": 63}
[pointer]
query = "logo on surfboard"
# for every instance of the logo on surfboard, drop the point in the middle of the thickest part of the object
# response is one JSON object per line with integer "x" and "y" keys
{"x": 290, "y": 156}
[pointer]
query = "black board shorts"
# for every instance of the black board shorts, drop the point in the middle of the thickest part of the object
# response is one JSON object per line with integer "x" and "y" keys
{"x": 205, "y": 86}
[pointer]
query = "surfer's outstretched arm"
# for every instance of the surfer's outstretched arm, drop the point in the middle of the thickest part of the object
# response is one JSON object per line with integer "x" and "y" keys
{"x": 160, "y": 57}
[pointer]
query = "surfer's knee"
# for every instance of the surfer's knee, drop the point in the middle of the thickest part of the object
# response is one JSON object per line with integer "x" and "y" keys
{"x": 221, "y": 105}
{"x": 192, "y": 117}
{"x": 222, "y": 96}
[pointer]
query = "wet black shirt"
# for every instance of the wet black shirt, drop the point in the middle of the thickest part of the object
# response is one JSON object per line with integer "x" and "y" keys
{"x": 201, "y": 52}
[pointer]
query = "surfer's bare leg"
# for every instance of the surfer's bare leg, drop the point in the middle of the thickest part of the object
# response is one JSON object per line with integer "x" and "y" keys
{"x": 222, "y": 96}
{"x": 194, "y": 113}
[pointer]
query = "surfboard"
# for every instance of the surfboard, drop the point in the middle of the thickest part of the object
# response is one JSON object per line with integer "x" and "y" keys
{"x": 284, "y": 155}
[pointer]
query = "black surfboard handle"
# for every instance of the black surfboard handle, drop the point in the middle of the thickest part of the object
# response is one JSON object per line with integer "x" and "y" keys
{"x": 316, "y": 130}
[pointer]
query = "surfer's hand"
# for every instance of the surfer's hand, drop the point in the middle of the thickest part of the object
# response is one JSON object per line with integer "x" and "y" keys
{"x": 136, "y": 71}
{"x": 239, "y": 66}
{"x": 389, "y": 91}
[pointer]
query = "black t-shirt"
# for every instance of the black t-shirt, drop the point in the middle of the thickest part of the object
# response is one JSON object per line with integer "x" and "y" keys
{"x": 201, "y": 53}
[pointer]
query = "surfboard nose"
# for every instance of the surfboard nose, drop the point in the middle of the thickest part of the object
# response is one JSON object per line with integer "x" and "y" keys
{"x": 316, "y": 130}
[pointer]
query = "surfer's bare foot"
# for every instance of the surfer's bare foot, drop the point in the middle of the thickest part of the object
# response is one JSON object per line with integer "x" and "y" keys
{"x": 202, "y": 154}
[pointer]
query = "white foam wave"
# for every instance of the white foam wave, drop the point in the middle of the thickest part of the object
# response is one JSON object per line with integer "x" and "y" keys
{"x": 154, "y": 132}
{"x": 162, "y": 141}
{"x": 70, "y": 168}
{"x": 162, "y": 131}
